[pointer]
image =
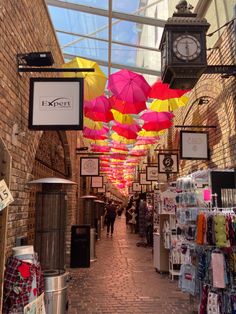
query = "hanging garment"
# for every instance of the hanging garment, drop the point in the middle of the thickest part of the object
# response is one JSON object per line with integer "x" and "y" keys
{"x": 210, "y": 234}
{"x": 218, "y": 271}
{"x": 220, "y": 230}
{"x": 213, "y": 304}
{"x": 187, "y": 278}
{"x": 203, "y": 304}
{"x": 201, "y": 228}
{"x": 18, "y": 283}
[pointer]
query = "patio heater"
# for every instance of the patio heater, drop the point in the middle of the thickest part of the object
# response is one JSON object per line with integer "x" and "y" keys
{"x": 89, "y": 219}
{"x": 50, "y": 227}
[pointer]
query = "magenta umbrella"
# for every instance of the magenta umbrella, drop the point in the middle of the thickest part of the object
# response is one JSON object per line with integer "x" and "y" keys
{"x": 119, "y": 146}
{"x": 97, "y": 148}
{"x": 98, "y": 109}
{"x": 129, "y": 86}
{"x": 95, "y": 134}
{"x": 156, "y": 121}
{"x": 126, "y": 107}
{"x": 146, "y": 141}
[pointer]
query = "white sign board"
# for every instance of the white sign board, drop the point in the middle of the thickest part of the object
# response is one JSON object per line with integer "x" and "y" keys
{"x": 56, "y": 103}
{"x": 194, "y": 145}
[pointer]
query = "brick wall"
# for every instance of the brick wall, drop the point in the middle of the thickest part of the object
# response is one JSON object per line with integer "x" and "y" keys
{"x": 25, "y": 27}
{"x": 220, "y": 111}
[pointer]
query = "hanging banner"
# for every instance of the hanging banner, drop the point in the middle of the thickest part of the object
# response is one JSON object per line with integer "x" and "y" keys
{"x": 56, "y": 104}
{"x": 194, "y": 145}
{"x": 89, "y": 166}
{"x": 5, "y": 195}
{"x": 168, "y": 163}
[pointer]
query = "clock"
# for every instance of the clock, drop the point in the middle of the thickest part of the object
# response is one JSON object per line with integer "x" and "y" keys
{"x": 186, "y": 47}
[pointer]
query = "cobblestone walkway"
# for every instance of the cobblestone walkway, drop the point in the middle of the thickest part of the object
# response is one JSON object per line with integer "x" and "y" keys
{"x": 123, "y": 280}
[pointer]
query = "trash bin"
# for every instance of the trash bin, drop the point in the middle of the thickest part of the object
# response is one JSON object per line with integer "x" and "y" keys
{"x": 80, "y": 246}
{"x": 55, "y": 294}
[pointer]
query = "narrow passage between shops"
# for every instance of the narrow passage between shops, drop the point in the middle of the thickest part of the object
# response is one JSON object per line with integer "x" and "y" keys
{"x": 123, "y": 280}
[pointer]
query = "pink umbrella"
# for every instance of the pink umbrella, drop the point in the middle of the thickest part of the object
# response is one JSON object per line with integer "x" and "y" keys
{"x": 156, "y": 121}
{"x": 129, "y": 86}
{"x": 119, "y": 146}
{"x": 146, "y": 141}
{"x": 95, "y": 134}
{"x": 127, "y": 107}
{"x": 162, "y": 91}
{"x": 128, "y": 131}
{"x": 98, "y": 109}
{"x": 97, "y": 148}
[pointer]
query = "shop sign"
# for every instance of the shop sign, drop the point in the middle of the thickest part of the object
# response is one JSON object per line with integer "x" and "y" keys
{"x": 194, "y": 145}
{"x": 5, "y": 195}
{"x": 89, "y": 166}
{"x": 56, "y": 104}
{"x": 168, "y": 163}
{"x": 151, "y": 173}
{"x": 136, "y": 187}
{"x": 97, "y": 182}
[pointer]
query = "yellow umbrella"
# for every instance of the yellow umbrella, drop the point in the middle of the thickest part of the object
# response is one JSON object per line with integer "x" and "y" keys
{"x": 169, "y": 104}
{"x": 115, "y": 150}
{"x": 94, "y": 82}
{"x": 150, "y": 133}
{"x": 98, "y": 142}
{"x": 116, "y": 137}
{"x": 122, "y": 118}
{"x": 95, "y": 125}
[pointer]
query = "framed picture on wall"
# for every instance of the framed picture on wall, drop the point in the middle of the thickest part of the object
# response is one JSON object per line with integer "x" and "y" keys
{"x": 103, "y": 189}
{"x": 168, "y": 163}
{"x": 194, "y": 145}
{"x": 56, "y": 104}
{"x": 136, "y": 187}
{"x": 151, "y": 173}
{"x": 89, "y": 166}
{"x": 97, "y": 182}
{"x": 142, "y": 179}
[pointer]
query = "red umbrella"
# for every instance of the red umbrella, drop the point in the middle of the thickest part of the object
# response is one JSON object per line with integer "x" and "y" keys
{"x": 97, "y": 148}
{"x": 98, "y": 109}
{"x": 129, "y": 86}
{"x": 125, "y": 132}
{"x": 127, "y": 107}
{"x": 162, "y": 91}
{"x": 156, "y": 121}
{"x": 95, "y": 134}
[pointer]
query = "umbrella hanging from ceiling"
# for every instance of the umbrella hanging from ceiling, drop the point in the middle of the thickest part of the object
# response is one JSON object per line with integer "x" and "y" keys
{"x": 169, "y": 104}
{"x": 162, "y": 91}
{"x": 128, "y": 86}
{"x": 156, "y": 121}
{"x": 94, "y": 82}
{"x": 127, "y": 107}
{"x": 98, "y": 109}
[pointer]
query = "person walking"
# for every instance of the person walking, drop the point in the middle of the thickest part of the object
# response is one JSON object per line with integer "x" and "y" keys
{"x": 110, "y": 217}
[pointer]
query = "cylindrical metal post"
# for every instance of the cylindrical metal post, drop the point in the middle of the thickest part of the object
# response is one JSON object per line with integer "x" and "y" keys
{"x": 93, "y": 257}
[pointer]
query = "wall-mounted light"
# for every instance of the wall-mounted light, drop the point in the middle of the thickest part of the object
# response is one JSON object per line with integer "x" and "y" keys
{"x": 39, "y": 59}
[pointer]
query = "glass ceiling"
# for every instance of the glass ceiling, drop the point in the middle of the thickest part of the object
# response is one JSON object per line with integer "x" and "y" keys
{"x": 116, "y": 34}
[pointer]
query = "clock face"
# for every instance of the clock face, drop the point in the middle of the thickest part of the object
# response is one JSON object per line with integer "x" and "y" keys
{"x": 186, "y": 47}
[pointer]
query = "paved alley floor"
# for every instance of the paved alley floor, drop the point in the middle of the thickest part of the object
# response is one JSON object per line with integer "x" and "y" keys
{"x": 123, "y": 280}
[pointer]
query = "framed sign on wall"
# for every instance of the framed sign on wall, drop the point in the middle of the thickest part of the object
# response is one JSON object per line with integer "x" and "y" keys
{"x": 136, "y": 187}
{"x": 56, "y": 104}
{"x": 194, "y": 145}
{"x": 97, "y": 182}
{"x": 168, "y": 163}
{"x": 89, "y": 166}
{"x": 151, "y": 173}
{"x": 143, "y": 179}
{"x": 103, "y": 189}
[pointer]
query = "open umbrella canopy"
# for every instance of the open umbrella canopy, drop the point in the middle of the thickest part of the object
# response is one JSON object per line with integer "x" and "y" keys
{"x": 162, "y": 91}
{"x": 169, "y": 104}
{"x": 95, "y": 125}
{"x": 144, "y": 133}
{"x": 94, "y": 82}
{"x": 122, "y": 118}
{"x": 120, "y": 139}
{"x": 156, "y": 121}
{"x": 146, "y": 141}
{"x": 127, "y": 107}
{"x": 95, "y": 134}
{"x": 119, "y": 146}
{"x": 123, "y": 131}
{"x": 97, "y": 148}
{"x": 129, "y": 86}
{"x": 98, "y": 109}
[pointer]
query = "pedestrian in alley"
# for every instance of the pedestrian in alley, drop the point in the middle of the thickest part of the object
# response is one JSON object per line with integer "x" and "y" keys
{"x": 132, "y": 221}
{"x": 110, "y": 217}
